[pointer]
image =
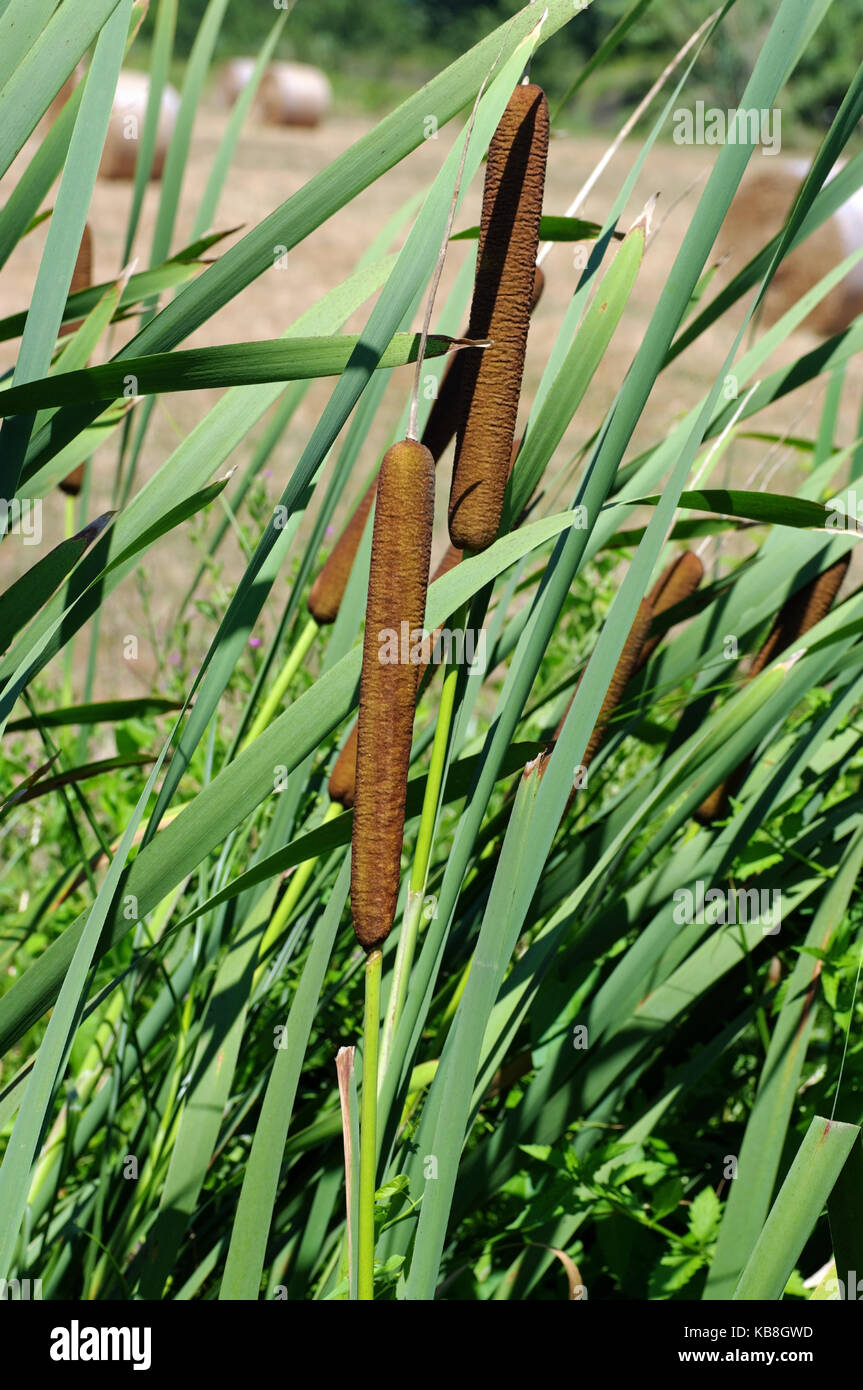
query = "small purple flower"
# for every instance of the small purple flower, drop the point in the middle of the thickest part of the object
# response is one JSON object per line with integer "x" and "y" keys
{"x": 254, "y": 641}
{"x": 329, "y": 531}
{"x": 174, "y": 658}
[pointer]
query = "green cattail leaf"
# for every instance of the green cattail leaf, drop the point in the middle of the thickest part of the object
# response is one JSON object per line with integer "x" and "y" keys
{"x": 760, "y": 1152}
{"x": 769, "y": 508}
{"x": 234, "y": 364}
{"x": 550, "y": 229}
{"x": 816, "y": 1169}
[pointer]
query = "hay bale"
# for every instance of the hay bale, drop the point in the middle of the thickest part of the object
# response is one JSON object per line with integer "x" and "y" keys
{"x": 126, "y": 127}
{"x": 233, "y": 77}
{"x": 294, "y": 94}
{"x": 759, "y": 211}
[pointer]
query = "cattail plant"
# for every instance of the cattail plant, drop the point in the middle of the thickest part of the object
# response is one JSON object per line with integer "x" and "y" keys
{"x": 398, "y": 581}
{"x": 678, "y": 582}
{"x": 802, "y": 611}
{"x": 500, "y": 312}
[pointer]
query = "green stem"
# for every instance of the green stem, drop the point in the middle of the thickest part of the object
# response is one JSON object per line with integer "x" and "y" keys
{"x": 300, "y": 877}
{"x": 422, "y": 855}
{"x": 286, "y": 675}
{"x": 368, "y": 1138}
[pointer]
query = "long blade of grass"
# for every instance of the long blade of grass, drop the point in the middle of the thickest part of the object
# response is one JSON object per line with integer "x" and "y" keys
{"x": 811, "y": 1178}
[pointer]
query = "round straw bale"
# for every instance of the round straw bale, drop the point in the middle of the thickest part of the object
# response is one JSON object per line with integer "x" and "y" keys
{"x": 233, "y": 78}
{"x": 294, "y": 94}
{"x": 759, "y": 211}
{"x": 126, "y": 127}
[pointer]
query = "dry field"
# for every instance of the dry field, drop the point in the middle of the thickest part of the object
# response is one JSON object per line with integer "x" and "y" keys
{"x": 272, "y": 164}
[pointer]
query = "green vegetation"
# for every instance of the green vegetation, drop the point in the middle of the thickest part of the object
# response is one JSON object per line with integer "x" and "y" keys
{"x": 372, "y": 52}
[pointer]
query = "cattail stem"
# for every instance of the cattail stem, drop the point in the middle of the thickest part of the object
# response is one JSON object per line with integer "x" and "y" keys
{"x": 368, "y": 1127}
{"x": 286, "y": 675}
{"x": 422, "y": 856}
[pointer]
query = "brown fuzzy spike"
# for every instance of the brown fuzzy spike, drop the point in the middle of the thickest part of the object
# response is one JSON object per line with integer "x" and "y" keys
{"x": 801, "y": 612}
{"x": 343, "y": 778}
{"x": 328, "y": 590}
{"x": 506, "y": 256}
{"x": 446, "y": 411}
{"x": 623, "y": 671}
{"x": 678, "y": 582}
{"x": 398, "y": 582}
{"x": 73, "y": 482}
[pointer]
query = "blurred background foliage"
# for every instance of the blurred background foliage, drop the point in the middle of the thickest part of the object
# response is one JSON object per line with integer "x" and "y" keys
{"x": 371, "y": 50}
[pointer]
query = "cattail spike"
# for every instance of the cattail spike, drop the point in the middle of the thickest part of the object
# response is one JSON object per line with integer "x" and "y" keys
{"x": 398, "y": 582}
{"x": 506, "y": 266}
{"x": 626, "y": 666}
{"x": 678, "y": 582}
{"x": 343, "y": 777}
{"x": 328, "y": 590}
{"x": 342, "y": 785}
{"x": 801, "y": 612}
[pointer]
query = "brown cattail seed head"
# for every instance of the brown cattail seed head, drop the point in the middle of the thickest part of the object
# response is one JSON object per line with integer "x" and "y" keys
{"x": 398, "y": 581}
{"x": 446, "y": 411}
{"x": 343, "y": 778}
{"x": 678, "y": 582}
{"x": 626, "y": 665}
{"x": 506, "y": 264}
{"x": 328, "y": 590}
{"x": 73, "y": 482}
{"x": 802, "y": 611}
